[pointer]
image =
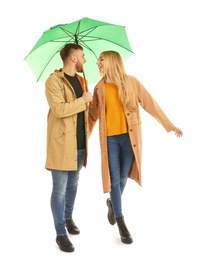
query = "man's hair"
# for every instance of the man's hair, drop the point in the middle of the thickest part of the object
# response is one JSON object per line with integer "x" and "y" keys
{"x": 68, "y": 48}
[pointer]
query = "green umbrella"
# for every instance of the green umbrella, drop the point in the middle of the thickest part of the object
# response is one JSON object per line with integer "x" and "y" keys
{"x": 94, "y": 36}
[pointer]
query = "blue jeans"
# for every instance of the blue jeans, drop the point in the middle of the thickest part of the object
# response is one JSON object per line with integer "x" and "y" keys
{"x": 120, "y": 156}
{"x": 64, "y": 193}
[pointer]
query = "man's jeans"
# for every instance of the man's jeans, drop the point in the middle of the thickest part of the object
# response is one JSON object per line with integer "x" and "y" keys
{"x": 64, "y": 193}
{"x": 120, "y": 156}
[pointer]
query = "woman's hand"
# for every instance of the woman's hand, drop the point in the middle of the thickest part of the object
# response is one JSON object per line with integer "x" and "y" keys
{"x": 178, "y": 132}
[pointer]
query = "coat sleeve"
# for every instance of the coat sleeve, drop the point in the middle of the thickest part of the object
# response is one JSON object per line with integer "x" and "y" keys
{"x": 57, "y": 100}
{"x": 149, "y": 104}
{"x": 93, "y": 111}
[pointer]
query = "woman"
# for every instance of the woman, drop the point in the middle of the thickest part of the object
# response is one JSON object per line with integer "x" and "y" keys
{"x": 116, "y": 101}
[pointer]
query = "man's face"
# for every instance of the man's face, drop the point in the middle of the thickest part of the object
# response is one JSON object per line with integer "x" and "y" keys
{"x": 80, "y": 60}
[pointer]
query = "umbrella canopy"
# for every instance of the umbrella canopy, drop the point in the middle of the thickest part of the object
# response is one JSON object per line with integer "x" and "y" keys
{"x": 94, "y": 36}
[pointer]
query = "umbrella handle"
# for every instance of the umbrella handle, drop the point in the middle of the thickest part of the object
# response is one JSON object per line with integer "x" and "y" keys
{"x": 86, "y": 86}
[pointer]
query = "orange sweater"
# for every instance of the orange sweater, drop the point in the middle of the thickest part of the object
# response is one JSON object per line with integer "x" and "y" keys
{"x": 115, "y": 117}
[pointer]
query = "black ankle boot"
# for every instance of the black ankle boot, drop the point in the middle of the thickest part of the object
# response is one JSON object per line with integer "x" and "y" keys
{"x": 110, "y": 214}
{"x": 124, "y": 233}
{"x": 71, "y": 227}
{"x": 64, "y": 243}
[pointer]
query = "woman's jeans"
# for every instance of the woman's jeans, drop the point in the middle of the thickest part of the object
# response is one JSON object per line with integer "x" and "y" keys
{"x": 120, "y": 156}
{"x": 64, "y": 193}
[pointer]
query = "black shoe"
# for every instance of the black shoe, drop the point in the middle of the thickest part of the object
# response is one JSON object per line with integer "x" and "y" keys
{"x": 124, "y": 233}
{"x": 64, "y": 243}
{"x": 110, "y": 215}
{"x": 71, "y": 227}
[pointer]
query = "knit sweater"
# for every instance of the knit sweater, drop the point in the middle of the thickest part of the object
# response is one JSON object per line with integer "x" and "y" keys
{"x": 115, "y": 117}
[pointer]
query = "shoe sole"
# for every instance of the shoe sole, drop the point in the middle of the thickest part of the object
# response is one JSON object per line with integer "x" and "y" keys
{"x": 67, "y": 250}
{"x": 127, "y": 240}
{"x": 73, "y": 232}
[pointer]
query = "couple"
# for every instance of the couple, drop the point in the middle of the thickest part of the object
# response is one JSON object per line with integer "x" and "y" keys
{"x": 73, "y": 112}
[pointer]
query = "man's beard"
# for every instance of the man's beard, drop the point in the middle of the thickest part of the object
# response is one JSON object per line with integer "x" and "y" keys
{"x": 79, "y": 67}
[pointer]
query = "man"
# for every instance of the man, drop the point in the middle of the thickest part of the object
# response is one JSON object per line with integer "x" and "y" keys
{"x": 66, "y": 139}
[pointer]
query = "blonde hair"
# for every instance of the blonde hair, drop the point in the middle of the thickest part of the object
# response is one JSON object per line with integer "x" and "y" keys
{"x": 114, "y": 70}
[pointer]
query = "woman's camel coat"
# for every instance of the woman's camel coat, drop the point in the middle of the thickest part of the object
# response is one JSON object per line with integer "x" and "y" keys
{"x": 97, "y": 111}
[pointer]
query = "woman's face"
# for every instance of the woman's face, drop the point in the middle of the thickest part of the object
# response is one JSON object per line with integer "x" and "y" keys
{"x": 100, "y": 63}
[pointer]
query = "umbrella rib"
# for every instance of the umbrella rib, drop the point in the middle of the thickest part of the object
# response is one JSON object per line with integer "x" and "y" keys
{"x": 99, "y": 39}
{"x": 47, "y": 65}
{"x": 79, "y": 35}
{"x": 87, "y": 47}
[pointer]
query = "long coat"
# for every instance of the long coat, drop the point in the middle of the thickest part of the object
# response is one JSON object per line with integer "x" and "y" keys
{"x": 62, "y": 121}
{"x": 97, "y": 111}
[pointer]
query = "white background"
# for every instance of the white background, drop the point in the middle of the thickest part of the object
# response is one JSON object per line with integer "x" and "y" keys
{"x": 169, "y": 216}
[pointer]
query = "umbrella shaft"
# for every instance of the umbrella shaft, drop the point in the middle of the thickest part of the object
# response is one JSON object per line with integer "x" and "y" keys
{"x": 76, "y": 38}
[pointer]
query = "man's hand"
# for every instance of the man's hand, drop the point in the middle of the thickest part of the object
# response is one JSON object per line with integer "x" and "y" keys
{"x": 87, "y": 96}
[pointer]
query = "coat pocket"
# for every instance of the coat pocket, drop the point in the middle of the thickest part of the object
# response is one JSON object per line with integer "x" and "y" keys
{"x": 63, "y": 132}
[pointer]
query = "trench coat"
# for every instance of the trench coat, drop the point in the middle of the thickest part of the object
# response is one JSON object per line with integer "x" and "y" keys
{"x": 133, "y": 118}
{"x": 61, "y": 152}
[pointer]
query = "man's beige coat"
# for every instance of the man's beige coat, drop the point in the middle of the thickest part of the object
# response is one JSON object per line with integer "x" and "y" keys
{"x": 62, "y": 121}
{"x": 97, "y": 111}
